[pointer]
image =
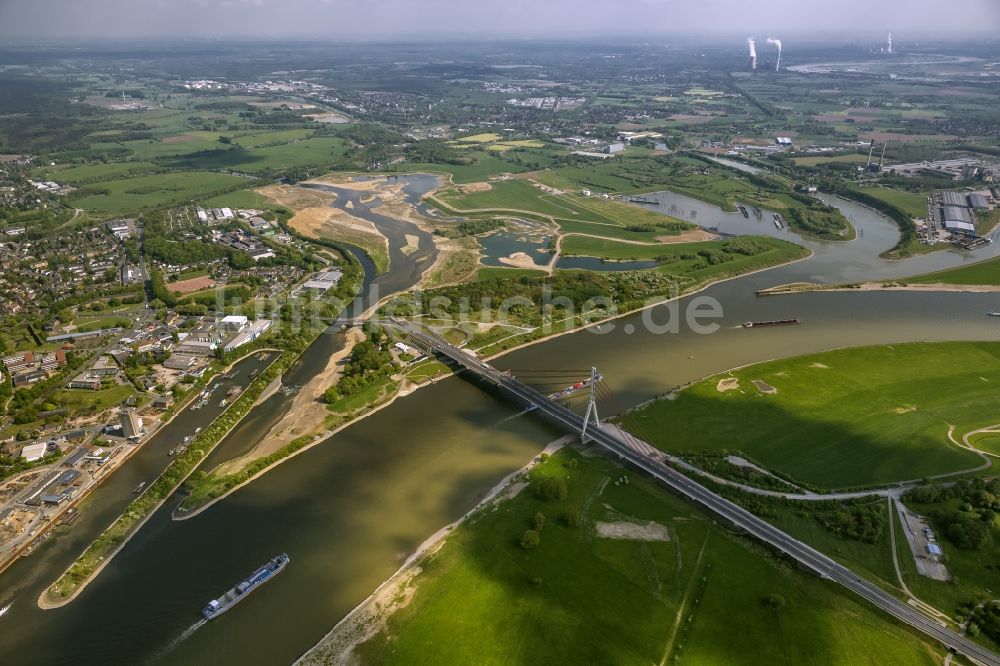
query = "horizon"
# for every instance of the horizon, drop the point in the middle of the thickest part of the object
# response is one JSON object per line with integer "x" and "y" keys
{"x": 430, "y": 20}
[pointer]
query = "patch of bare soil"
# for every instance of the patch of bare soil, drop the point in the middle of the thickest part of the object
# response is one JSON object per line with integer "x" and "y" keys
{"x": 764, "y": 387}
{"x": 306, "y": 415}
{"x": 728, "y": 384}
{"x": 471, "y": 188}
{"x": 690, "y": 236}
{"x": 633, "y": 531}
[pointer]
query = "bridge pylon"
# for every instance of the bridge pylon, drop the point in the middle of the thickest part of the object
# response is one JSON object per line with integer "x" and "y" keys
{"x": 591, "y": 414}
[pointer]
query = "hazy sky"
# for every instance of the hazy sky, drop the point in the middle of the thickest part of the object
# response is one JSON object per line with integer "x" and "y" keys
{"x": 358, "y": 19}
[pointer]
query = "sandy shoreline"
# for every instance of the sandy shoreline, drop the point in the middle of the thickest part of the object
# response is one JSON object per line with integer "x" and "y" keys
{"x": 888, "y": 285}
{"x": 370, "y": 616}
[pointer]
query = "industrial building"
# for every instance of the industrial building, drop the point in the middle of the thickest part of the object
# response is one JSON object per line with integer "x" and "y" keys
{"x": 978, "y": 201}
{"x": 957, "y": 219}
{"x": 131, "y": 424}
{"x": 954, "y": 199}
{"x": 33, "y": 452}
{"x": 323, "y": 281}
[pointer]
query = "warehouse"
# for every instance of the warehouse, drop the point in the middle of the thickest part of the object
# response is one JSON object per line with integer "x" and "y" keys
{"x": 957, "y": 220}
{"x": 978, "y": 201}
{"x": 954, "y": 199}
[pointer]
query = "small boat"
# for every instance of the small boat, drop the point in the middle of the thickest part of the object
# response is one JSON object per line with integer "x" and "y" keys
{"x": 993, "y": 314}
{"x": 138, "y": 488}
{"x": 4, "y": 610}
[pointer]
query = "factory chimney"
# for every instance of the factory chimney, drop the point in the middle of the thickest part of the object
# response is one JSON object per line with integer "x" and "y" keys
{"x": 776, "y": 42}
{"x": 753, "y": 53}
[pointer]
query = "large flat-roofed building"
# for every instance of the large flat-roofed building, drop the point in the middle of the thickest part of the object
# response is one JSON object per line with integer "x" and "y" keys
{"x": 957, "y": 219}
{"x": 252, "y": 332}
{"x": 978, "y": 201}
{"x": 234, "y": 322}
{"x": 33, "y": 452}
{"x": 954, "y": 199}
{"x": 323, "y": 281}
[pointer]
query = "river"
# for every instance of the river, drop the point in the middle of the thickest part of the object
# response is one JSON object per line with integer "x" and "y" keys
{"x": 349, "y": 511}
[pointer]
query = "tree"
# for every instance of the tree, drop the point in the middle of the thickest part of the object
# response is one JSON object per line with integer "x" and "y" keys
{"x": 775, "y": 601}
{"x": 530, "y": 539}
{"x": 552, "y": 488}
{"x": 539, "y": 521}
{"x": 571, "y": 517}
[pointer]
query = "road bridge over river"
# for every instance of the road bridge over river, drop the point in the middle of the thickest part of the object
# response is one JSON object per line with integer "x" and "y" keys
{"x": 653, "y": 462}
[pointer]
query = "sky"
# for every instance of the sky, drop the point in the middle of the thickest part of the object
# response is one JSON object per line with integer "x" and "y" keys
{"x": 420, "y": 19}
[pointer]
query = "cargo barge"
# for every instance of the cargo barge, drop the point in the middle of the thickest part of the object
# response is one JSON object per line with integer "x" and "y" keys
{"x": 243, "y": 588}
{"x": 777, "y": 322}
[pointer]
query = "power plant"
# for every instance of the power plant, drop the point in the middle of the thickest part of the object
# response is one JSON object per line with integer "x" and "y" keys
{"x": 777, "y": 43}
{"x": 875, "y": 167}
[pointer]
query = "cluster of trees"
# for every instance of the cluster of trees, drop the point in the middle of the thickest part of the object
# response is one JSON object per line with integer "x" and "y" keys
{"x": 24, "y": 404}
{"x": 370, "y": 362}
{"x": 818, "y": 219}
{"x": 985, "y": 619}
{"x": 967, "y": 511}
{"x": 472, "y": 228}
{"x": 860, "y": 522}
{"x": 436, "y": 151}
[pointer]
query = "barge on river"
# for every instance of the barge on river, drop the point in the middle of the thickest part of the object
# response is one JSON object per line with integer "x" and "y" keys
{"x": 242, "y": 589}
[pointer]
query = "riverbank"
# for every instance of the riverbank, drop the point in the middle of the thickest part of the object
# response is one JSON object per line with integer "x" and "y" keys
{"x": 889, "y": 285}
{"x": 316, "y": 437}
{"x": 114, "y": 538}
{"x": 369, "y": 617}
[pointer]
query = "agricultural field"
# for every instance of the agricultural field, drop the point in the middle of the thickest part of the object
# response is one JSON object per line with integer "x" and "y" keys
{"x": 853, "y": 417}
{"x": 160, "y": 190}
{"x": 580, "y": 597}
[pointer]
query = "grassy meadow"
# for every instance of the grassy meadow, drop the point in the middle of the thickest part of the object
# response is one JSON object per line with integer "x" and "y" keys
{"x": 579, "y": 598}
{"x": 851, "y": 417}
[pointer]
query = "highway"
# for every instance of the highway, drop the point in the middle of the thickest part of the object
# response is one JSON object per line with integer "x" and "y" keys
{"x": 652, "y": 462}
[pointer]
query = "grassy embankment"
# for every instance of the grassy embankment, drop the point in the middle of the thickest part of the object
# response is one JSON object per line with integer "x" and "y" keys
{"x": 581, "y": 598}
{"x": 844, "y": 418}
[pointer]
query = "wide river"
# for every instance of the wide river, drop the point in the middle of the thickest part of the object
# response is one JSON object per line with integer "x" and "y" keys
{"x": 349, "y": 511}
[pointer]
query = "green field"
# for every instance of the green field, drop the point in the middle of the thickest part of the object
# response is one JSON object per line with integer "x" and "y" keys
{"x": 578, "y": 598}
{"x": 692, "y": 260}
{"x": 316, "y": 152}
{"x": 74, "y": 175}
{"x": 574, "y": 213}
{"x": 872, "y": 415}
{"x": 913, "y": 204}
{"x": 157, "y": 190}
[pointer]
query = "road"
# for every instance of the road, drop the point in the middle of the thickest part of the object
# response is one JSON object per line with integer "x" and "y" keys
{"x": 652, "y": 462}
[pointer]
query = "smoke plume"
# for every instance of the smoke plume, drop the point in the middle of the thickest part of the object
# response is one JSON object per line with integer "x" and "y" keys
{"x": 753, "y": 52}
{"x": 777, "y": 43}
